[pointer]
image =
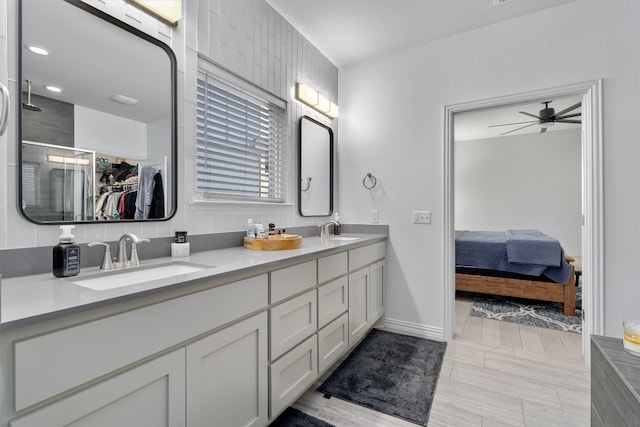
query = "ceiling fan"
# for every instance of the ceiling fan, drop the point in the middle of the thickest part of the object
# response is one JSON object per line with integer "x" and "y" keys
{"x": 546, "y": 118}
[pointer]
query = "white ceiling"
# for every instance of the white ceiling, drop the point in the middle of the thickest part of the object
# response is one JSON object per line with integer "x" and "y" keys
{"x": 349, "y": 31}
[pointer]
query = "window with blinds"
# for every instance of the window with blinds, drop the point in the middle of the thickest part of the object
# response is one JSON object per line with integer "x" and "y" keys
{"x": 240, "y": 143}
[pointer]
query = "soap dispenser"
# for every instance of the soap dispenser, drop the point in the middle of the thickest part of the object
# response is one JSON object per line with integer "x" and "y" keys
{"x": 66, "y": 254}
{"x": 337, "y": 227}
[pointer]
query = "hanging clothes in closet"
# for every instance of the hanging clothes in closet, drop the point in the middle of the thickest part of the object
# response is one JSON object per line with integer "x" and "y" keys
{"x": 118, "y": 202}
{"x": 150, "y": 193}
{"x": 156, "y": 210}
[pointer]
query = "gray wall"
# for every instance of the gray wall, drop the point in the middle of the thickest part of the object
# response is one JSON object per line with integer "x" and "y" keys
{"x": 52, "y": 125}
{"x": 530, "y": 181}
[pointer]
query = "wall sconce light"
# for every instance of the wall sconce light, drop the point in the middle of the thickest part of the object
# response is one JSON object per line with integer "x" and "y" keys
{"x": 167, "y": 11}
{"x": 313, "y": 99}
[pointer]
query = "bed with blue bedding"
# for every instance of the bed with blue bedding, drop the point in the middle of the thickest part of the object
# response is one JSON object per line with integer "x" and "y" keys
{"x": 516, "y": 263}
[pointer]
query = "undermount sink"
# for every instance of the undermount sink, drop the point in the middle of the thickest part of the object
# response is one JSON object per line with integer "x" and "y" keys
{"x": 126, "y": 277}
{"x": 344, "y": 238}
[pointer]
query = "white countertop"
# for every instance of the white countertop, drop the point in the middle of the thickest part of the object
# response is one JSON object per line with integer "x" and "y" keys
{"x": 29, "y": 299}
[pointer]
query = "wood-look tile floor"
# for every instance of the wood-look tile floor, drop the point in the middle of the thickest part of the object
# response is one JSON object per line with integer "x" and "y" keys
{"x": 494, "y": 374}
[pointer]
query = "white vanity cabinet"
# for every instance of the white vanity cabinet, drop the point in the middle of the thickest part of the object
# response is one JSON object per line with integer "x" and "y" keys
{"x": 227, "y": 376}
{"x": 217, "y": 372}
{"x": 149, "y": 395}
{"x": 293, "y": 322}
{"x": 376, "y": 292}
{"x": 333, "y": 304}
{"x": 366, "y": 289}
{"x": 222, "y": 352}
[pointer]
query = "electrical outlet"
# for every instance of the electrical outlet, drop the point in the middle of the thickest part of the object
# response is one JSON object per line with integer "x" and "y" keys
{"x": 422, "y": 217}
{"x": 375, "y": 217}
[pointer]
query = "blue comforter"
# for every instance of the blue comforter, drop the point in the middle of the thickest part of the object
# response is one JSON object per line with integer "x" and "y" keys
{"x": 515, "y": 251}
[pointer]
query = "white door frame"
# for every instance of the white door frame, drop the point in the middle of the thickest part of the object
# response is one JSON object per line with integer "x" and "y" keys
{"x": 592, "y": 200}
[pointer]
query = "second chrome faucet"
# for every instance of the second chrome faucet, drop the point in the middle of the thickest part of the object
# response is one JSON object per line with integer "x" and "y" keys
{"x": 121, "y": 257}
{"x": 121, "y": 260}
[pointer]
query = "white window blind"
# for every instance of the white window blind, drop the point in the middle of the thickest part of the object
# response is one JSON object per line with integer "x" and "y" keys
{"x": 30, "y": 184}
{"x": 240, "y": 143}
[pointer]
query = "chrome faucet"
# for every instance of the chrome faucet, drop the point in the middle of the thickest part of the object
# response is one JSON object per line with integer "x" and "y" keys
{"x": 106, "y": 259}
{"x": 121, "y": 256}
{"x": 324, "y": 228}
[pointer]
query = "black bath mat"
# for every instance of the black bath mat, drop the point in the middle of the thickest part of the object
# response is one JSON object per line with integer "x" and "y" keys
{"x": 292, "y": 417}
{"x": 390, "y": 373}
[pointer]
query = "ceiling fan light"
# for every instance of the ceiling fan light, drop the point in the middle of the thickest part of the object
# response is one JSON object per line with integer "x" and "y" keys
{"x": 546, "y": 125}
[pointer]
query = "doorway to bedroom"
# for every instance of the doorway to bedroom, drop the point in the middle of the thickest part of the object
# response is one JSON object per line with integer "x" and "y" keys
{"x": 527, "y": 161}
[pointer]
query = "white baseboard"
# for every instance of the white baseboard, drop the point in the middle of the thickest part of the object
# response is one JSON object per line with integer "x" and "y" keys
{"x": 414, "y": 329}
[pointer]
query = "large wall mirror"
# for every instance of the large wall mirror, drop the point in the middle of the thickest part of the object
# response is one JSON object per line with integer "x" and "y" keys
{"x": 315, "y": 168}
{"x": 97, "y": 140}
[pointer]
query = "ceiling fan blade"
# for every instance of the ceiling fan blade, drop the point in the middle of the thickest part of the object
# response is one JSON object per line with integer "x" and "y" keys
{"x": 568, "y": 121}
{"x": 529, "y": 114}
{"x": 513, "y": 130}
{"x": 514, "y": 123}
{"x": 566, "y": 110}
{"x": 568, "y": 115}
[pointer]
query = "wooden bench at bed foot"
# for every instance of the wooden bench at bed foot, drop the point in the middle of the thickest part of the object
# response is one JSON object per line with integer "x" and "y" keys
{"x": 522, "y": 288}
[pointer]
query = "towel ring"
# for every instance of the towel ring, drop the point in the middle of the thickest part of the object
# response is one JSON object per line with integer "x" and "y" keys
{"x": 308, "y": 182}
{"x": 372, "y": 179}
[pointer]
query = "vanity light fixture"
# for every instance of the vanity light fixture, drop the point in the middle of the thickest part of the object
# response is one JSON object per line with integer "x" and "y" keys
{"x": 122, "y": 99}
{"x": 67, "y": 160}
{"x": 38, "y": 50}
{"x": 168, "y": 11}
{"x": 313, "y": 99}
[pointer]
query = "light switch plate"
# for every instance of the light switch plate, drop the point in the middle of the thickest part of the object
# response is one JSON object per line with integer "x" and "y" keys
{"x": 375, "y": 217}
{"x": 422, "y": 217}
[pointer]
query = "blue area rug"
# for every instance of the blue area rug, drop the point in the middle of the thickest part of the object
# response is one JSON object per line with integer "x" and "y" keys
{"x": 541, "y": 314}
{"x": 390, "y": 373}
{"x": 292, "y": 417}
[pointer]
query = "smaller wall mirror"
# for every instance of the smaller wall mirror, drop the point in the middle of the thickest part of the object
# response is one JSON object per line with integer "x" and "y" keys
{"x": 97, "y": 128}
{"x": 315, "y": 168}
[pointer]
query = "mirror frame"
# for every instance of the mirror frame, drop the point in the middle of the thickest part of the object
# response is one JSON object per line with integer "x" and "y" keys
{"x": 173, "y": 114}
{"x": 300, "y": 157}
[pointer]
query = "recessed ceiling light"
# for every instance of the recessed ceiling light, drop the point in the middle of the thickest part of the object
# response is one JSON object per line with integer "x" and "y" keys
{"x": 122, "y": 99}
{"x": 38, "y": 50}
{"x": 53, "y": 89}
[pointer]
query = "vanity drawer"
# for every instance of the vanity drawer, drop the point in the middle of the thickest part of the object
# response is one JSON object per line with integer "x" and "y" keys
{"x": 332, "y": 300}
{"x": 366, "y": 255}
{"x": 333, "y": 341}
{"x": 56, "y": 362}
{"x": 332, "y": 266}
{"x": 291, "y": 322}
{"x": 292, "y": 280}
{"x": 292, "y": 374}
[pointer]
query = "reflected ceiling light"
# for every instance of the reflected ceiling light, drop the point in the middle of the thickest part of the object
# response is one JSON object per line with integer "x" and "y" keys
{"x": 313, "y": 99}
{"x": 67, "y": 160}
{"x": 38, "y": 50}
{"x": 53, "y": 89}
{"x": 122, "y": 99}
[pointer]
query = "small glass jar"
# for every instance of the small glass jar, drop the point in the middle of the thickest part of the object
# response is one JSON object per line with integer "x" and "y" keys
{"x": 631, "y": 336}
